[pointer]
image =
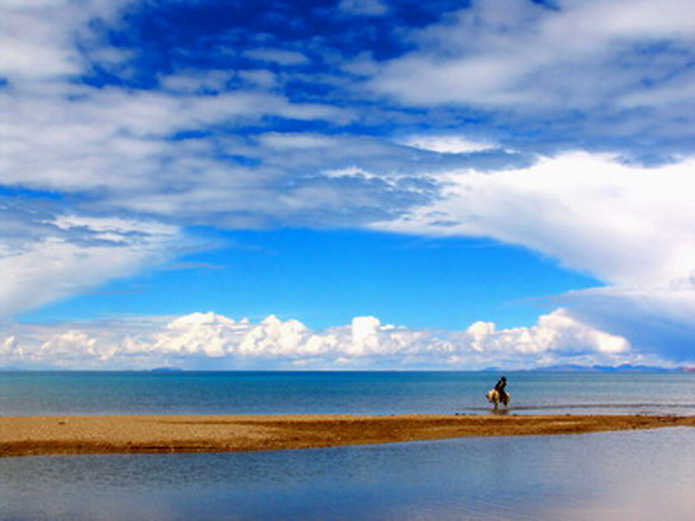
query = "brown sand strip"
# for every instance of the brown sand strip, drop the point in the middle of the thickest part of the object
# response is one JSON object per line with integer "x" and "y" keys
{"x": 24, "y": 436}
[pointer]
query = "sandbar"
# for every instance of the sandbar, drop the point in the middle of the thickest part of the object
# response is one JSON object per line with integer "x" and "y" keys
{"x": 44, "y": 435}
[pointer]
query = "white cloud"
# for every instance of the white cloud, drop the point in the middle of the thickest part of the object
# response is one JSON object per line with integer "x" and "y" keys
{"x": 448, "y": 144}
{"x": 521, "y": 54}
{"x": 631, "y": 227}
{"x": 557, "y": 331}
{"x": 115, "y": 147}
{"x": 61, "y": 135}
{"x": 72, "y": 254}
{"x": 38, "y": 37}
{"x": 626, "y": 225}
{"x": 216, "y": 341}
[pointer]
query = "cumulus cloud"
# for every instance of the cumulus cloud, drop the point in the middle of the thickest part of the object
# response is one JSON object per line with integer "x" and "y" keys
{"x": 557, "y": 332}
{"x": 215, "y": 341}
{"x": 631, "y": 227}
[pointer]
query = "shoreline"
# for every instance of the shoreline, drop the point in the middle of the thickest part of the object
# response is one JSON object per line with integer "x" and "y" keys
{"x": 53, "y": 435}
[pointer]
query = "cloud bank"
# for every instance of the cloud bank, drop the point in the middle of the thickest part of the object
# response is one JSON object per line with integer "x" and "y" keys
{"x": 212, "y": 341}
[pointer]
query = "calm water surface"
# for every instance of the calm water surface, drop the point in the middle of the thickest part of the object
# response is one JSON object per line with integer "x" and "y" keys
{"x": 624, "y": 476}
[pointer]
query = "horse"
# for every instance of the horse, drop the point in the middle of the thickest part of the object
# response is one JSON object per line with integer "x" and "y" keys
{"x": 493, "y": 396}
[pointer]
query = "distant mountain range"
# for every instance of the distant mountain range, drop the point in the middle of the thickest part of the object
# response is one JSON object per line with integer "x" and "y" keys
{"x": 625, "y": 368}
{"x": 628, "y": 368}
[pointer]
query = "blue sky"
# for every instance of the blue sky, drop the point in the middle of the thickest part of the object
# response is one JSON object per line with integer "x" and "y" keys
{"x": 347, "y": 183}
{"x": 328, "y": 277}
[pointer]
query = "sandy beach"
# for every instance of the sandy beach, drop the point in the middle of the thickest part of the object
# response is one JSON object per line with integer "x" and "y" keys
{"x": 41, "y": 435}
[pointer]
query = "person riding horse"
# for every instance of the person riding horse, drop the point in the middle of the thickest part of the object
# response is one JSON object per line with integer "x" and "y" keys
{"x": 499, "y": 387}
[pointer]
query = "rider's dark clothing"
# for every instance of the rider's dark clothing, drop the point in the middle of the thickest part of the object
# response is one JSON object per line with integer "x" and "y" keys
{"x": 500, "y": 385}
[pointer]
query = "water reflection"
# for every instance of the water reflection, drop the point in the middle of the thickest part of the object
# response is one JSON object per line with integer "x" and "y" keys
{"x": 624, "y": 476}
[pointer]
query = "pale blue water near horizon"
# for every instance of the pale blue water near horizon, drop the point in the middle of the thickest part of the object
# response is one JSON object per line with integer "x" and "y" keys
{"x": 621, "y": 476}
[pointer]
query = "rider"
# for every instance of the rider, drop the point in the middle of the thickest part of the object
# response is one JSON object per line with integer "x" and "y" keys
{"x": 499, "y": 387}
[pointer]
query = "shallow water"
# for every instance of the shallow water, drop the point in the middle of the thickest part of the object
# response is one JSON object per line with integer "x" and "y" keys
{"x": 621, "y": 476}
{"x": 62, "y": 393}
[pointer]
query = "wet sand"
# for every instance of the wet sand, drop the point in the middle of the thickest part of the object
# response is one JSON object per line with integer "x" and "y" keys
{"x": 41, "y": 435}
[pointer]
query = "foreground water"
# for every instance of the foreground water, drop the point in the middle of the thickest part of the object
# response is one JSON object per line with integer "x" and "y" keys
{"x": 621, "y": 476}
{"x": 63, "y": 393}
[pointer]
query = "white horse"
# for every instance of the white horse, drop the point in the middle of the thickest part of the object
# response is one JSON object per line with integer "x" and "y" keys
{"x": 493, "y": 396}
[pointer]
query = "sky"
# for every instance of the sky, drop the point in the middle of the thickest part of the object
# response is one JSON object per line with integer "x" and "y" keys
{"x": 347, "y": 184}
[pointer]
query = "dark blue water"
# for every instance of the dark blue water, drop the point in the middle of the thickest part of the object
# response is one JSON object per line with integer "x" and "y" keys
{"x": 63, "y": 393}
{"x": 622, "y": 476}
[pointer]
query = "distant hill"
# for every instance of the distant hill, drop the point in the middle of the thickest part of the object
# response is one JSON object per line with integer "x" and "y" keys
{"x": 626, "y": 368}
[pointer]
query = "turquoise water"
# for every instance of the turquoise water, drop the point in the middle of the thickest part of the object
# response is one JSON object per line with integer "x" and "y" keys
{"x": 63, "y": 393}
